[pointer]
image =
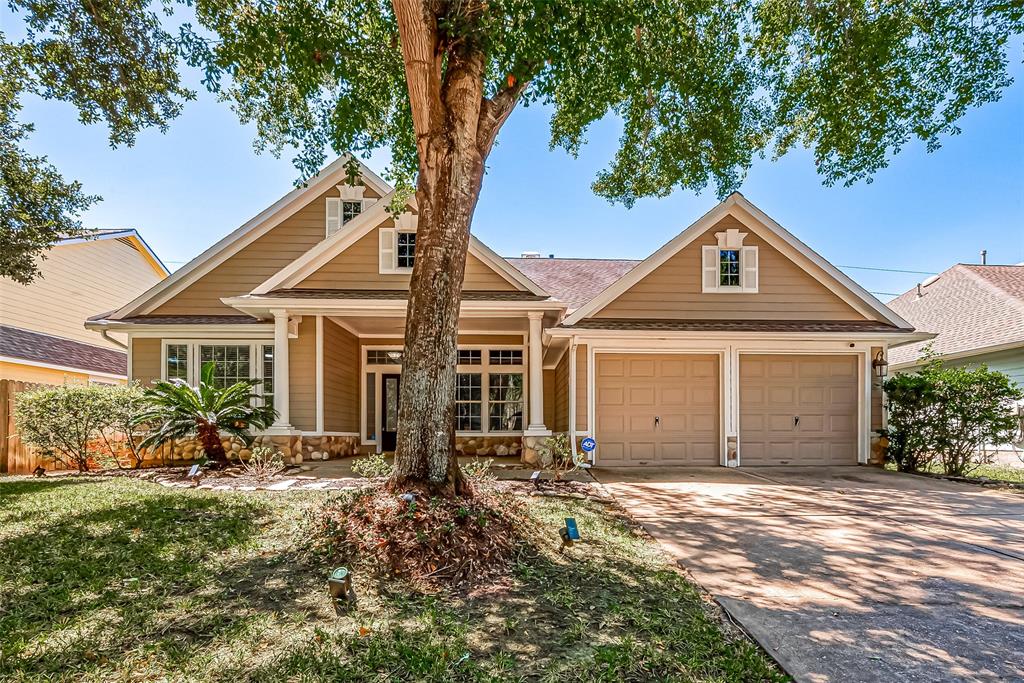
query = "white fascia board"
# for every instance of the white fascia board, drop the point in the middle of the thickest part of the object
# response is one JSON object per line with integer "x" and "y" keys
{"x": 387, "y": 308}
{"x": 842, "y": 337}
{"x": 314, "y": 259}
{"x": 959, "y": 355}
{"x": 249, "y": 232}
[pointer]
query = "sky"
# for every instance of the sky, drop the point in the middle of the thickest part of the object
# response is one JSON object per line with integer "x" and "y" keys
{"x": 187, "y": 188}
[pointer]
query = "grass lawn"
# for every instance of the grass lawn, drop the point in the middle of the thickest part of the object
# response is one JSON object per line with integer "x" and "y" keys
{"x": 998, "y": 472}
{"x": 117, "y": 579}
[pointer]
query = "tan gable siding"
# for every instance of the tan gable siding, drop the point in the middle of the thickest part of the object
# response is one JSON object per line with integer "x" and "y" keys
{"x": 341, "y": 379}
{"x": 78, "y": 281}
{"x": 302, "y": 376}
{"x": 251, "y": 266}
{"x": 581, "y": 388}
{"x": 785, "y": 291}
{"x": 358, "y": 268}
{"x": 145, "y": 360}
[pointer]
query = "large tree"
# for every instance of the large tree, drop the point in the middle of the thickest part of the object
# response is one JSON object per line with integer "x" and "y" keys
{"x": 702, "y": 87}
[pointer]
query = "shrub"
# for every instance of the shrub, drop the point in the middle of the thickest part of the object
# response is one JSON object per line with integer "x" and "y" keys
{"x": 264, "y": 463}
{"x": 372, "y": 466}
{"x": 478, "y": 469}
{"x": 122, "y": 431}
{"x": 61, "y": 421}
{"x": 948, "y": 414}
{"x": 558, "y": 454}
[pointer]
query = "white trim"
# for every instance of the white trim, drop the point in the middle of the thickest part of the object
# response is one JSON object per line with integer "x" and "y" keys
{"x": 320, "y": 373}
{"x": 381, "y": 307}
{"x": 63, "y": 368}
{"x": 849, "y": 291}
{"x": 958, "y": 355}
{"x": 249, "y": 232}
{"x": 130, "y": 233}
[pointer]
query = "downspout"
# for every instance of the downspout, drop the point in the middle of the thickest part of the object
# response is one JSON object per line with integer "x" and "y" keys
{"x": 106, "y": 335}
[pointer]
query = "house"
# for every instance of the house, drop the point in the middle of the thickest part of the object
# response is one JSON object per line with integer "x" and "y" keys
{"x": 733, "y": 344}
{"x": 977, "y": 311}
{"x": 42, "y": 333}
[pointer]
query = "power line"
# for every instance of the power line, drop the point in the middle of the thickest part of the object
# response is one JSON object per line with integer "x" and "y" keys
{"x": 890, "y": 270}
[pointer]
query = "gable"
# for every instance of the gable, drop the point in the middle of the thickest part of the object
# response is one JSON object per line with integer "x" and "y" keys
{"x": 358, "y": 267}
{"x": 254, "y": 263}
{"x": 672, "y": 290}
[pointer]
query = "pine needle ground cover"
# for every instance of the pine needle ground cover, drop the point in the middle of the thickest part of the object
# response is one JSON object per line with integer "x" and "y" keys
{"x": 120, "y": 579}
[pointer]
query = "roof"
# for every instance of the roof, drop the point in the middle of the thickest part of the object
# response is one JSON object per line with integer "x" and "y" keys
{"x": 44, "y": 348}
{"x": 574, "y": 281}
{"x": 467, "y": 295}
{"x": 972, "y": 308}
{"x": 729, "y": 325}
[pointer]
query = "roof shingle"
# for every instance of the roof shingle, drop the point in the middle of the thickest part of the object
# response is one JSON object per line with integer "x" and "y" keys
{"x": 44, "y": 348}
{"x": 969, "y": 307}
{"x": 574, "y": 281}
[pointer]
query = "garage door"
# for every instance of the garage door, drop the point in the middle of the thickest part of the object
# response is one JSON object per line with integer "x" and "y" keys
{"x": 798, "y": 410}
{"x": 657, "y": 409}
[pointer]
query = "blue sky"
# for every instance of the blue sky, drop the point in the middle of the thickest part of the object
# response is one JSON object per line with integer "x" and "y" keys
{"x": 185, "y": 189}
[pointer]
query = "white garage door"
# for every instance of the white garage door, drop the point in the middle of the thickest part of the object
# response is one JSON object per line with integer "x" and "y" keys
{"x": 798, "y": 410}
{"x": 657, "y": 409}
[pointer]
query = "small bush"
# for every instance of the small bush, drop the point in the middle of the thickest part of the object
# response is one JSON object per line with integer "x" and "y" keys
{"x": 264, "y": 463}
{"x": 372, "y": 466}
{"x": 61, "y": 421}
{"x": 479, "y": 470}
{"x": 558, "y": 454}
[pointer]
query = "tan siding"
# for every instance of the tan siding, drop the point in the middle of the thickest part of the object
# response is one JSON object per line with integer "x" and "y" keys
{"x": 561, "y": 421}
{"x": 358, "y": 268}
{"x": 876, "y": 396}
{"x": 145, "y": 360}
{"x": 341, "y": 379}
{"x": 581, "y": 388}
{"x": 78, "y": 281}
{"x": 255, "y": 263}
{"x": 302, "y": 376}
{"x": 785, "y": 291}
{"x": 549, "y": 398}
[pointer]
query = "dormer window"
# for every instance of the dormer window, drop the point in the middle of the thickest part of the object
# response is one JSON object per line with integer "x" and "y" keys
{"x": 398, "y": 245}
{"x": 406, "y": 250}
{"x": 729, "y": 266}
{"x": 350, "y": 210}
{"x": 344, "y": 208}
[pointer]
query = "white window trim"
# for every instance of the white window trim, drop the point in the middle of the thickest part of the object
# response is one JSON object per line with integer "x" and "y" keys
{"x": 711, "y": 264}
{"x": 484, "y": 369}
{"x": 192, "y": 355}
{"x": 388, "y": 255}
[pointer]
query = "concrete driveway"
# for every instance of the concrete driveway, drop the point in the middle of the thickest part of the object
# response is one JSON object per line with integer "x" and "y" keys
{"x": 849, "y": 574}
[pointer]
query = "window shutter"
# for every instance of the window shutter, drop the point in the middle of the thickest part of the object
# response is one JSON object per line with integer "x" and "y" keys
{"x": 748, "y": 259}
{"x": 709, "y": 258}
{"x": 333, "y": 215}
{"x": 387, "y": 250}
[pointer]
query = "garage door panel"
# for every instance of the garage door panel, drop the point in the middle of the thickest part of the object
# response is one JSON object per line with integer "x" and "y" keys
{"x": 822, "y": 391}
{"x": 680, "y": 389}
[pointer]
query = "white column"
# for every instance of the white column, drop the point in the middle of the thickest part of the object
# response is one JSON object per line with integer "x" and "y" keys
{"x": 536, "y": 368}
{"x": 283, "y": 421}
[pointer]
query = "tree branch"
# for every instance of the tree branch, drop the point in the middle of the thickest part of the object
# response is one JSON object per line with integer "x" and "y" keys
{"x": 495, "y": 111}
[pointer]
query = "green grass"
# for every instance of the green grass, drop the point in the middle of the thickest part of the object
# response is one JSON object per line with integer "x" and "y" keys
{"x": 996, "y": 472}
{"x": 123, "y": 580}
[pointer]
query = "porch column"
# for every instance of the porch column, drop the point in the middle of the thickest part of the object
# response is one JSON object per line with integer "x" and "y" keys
{"x": 283, "y": 421}
{"x": 536, "y": 423}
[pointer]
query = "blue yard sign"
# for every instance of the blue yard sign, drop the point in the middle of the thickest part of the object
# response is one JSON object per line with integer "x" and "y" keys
{"x": 588, "y": 445}
{"x": 572, "y": 531}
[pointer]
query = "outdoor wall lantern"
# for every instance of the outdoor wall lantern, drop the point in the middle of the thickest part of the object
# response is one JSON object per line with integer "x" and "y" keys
{"x": 880, "y": 365}
{"x": 339, "y": 585}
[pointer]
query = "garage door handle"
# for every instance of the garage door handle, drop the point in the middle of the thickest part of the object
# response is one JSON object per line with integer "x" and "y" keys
{"x": 657, "y": 420}
{"x": 796, "y": 421}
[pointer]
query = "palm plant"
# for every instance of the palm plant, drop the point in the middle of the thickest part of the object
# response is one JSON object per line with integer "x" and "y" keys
{"x": 179, "y": 411}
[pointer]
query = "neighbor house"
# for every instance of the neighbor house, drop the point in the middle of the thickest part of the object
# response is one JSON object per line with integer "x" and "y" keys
{"x": 43, "y": 338}
{"x": 977, "y": 313}
{"x": 733, "y": 344}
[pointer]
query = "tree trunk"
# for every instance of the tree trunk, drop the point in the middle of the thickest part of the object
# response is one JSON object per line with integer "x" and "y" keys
{"x": 209, "y": 436}
{"x": 455, "y": 127}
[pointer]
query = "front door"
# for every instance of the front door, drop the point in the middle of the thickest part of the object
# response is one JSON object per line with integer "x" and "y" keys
{"x": 392, "y": 385}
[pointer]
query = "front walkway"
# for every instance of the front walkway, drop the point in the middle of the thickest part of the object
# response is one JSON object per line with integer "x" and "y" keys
{"x": 849, "y": 574}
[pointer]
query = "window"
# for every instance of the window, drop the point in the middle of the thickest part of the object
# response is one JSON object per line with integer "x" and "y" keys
{"x": 231, "y": 362}
{"x": 406, "y": 250}
{"x": 506, "y": 357}
{"x": 505, "y": 401}
{"x": 350, "y": 210}
{"x": 470, "y": 357}
{"x": 728, "y": 267}
{"x": 468, "y": 401}
{"x": 177, "y": 361}
{"x": 371, "y": 406}
{"x": 267, "y": 351}
{"x": 379, "y": 357}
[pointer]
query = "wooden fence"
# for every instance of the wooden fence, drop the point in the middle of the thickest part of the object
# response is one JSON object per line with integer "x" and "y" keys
{"x": 16, "y": 457}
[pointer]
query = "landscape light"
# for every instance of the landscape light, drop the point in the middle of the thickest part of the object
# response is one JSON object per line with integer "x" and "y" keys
{"x": 339, "y": 585}
{"x": 535, "y": 478}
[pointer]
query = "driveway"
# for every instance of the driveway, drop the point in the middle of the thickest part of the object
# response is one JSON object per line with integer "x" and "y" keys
{"x": 849, "y": 574}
